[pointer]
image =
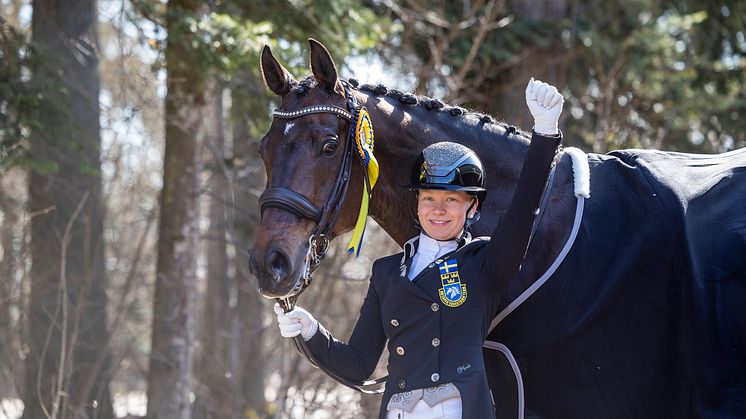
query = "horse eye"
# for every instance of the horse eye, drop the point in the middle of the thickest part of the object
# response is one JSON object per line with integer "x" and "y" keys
{"x": 329, "y": 147}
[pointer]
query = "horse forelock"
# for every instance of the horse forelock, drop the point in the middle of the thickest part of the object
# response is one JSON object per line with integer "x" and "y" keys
{"x": 301, "y": 87}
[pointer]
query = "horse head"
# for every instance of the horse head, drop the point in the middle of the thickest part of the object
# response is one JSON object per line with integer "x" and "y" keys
{"x": 308, "y": 164}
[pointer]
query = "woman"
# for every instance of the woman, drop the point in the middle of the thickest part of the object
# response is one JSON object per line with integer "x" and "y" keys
{"x": 434, "y": 302}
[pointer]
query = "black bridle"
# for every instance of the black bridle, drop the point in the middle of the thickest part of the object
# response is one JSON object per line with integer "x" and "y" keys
{"x": 287, "y": 199}
{"x": 318, "y": 242}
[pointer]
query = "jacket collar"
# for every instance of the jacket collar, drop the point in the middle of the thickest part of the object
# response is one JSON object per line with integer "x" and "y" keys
{"x": 412, "y": 245}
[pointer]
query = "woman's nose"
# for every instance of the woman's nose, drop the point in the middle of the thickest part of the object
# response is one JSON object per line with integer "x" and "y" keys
{"x": 439, "y": 207}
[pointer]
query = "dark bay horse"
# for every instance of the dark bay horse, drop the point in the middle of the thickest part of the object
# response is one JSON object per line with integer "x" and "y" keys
{"x": 645, "y": 314}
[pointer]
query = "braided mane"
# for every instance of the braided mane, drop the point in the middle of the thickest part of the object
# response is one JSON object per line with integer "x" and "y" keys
{"x": 408, "y": 99}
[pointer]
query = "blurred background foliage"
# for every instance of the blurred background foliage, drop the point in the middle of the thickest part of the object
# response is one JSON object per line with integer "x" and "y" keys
{"x": 643, "y": 73}
{"x": 640, "y": 74}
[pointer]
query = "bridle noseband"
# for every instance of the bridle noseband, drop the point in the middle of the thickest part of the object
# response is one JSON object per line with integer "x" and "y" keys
{"x": 287, "y": 199}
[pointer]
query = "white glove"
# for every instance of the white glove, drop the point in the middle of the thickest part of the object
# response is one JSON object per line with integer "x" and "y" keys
{"x": 545, "y": 104}
{"x": 296, "y": 322}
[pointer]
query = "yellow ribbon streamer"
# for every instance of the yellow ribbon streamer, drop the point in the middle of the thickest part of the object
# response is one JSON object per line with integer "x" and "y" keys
{"x": 364, "y": 140}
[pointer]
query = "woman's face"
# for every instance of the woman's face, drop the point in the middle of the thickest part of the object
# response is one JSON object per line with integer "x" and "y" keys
{"x": 442, "y": 213}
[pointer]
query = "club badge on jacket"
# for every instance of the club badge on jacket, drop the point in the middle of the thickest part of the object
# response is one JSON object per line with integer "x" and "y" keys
{"x": 453, "y": 292}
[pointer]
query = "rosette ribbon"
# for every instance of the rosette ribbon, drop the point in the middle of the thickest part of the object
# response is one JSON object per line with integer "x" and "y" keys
{"x": 364, "y": 146}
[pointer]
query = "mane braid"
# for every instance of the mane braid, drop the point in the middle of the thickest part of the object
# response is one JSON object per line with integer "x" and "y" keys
{"x": 434, "y": 105}
{"x": 301, "y": 87}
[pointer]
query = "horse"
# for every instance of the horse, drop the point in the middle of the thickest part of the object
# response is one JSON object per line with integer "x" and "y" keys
{"x": 629, "y": 303}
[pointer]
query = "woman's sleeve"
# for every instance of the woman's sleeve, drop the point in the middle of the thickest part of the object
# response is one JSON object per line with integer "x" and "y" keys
{"x": 357, "y": 359}
{"x": 509, "y": 241}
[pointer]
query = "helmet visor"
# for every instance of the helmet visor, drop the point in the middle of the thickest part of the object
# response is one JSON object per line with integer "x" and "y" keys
{"x": 465, "y": 178}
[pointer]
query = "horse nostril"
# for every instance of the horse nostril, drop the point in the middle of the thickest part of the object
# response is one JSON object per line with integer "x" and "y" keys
{"x": 278, "y": 264}
{"x": 253, "y": 264}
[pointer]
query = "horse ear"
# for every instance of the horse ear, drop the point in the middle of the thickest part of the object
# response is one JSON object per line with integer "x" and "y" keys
{"x": 323, "y": 67}
{"x": 275, "y": 76}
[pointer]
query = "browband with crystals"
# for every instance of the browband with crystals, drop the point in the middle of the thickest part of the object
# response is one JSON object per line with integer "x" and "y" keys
{"x": 313, "y": 109}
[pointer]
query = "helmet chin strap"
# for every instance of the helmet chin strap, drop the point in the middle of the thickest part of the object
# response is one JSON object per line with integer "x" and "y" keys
{"x": 468, "y": 221}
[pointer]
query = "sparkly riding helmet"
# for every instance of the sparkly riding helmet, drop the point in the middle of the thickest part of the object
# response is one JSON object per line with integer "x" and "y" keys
{"x": 450, "y": 166}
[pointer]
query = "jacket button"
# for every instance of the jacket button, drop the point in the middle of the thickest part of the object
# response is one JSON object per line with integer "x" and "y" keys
{"x": 400, "y": 350}
{"x": 434, "y": 307}
{"x": 402, "y": 383}
{"x": 395, "y": 322}
{"x": 435, "y": 377}
{"x": 436, "y": 342}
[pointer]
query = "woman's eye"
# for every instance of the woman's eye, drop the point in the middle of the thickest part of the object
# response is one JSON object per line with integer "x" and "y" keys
{"x": 329, "y": 148}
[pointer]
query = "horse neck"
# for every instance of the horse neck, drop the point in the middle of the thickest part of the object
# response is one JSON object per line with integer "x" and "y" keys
{"x": 402, "y": 131}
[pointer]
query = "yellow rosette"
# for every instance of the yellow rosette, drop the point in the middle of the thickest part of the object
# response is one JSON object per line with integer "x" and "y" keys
{"x": 364, "y": 145}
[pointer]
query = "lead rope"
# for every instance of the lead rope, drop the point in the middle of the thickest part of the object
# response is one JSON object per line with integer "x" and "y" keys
{"x": 366, "y": 387}
{"x": 317, "y": 247}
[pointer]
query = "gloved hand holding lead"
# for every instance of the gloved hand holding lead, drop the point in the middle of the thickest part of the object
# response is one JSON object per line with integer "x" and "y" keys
{"x": 296, "y": 322}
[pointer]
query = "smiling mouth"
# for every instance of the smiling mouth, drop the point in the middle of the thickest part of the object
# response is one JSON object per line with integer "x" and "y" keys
{"x": 439, "y": 223}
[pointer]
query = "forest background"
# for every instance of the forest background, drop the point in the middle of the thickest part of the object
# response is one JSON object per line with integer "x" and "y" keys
{"x": 129, "y": 172}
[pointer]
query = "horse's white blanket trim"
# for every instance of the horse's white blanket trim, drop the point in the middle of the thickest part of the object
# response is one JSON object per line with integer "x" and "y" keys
{"x": 517, "y": 371}
{"x": 539, "y": 282}
{"x": 581, "y": 172}
{"x": 524, "y": 296}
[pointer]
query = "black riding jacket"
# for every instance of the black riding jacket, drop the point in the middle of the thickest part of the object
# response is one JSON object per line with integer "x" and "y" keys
{"x": 435, "y": 324}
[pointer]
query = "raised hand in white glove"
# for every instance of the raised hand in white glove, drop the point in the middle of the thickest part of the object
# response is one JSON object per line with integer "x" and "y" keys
{"x": 296, "y": 322}
{"x": 545, "y": 104}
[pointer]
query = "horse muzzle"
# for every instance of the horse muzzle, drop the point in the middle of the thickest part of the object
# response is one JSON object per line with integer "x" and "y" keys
{"x": 276, "y": 274}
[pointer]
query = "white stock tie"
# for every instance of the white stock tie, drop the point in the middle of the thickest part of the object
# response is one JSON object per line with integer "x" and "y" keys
{"x": 428, "y": 250}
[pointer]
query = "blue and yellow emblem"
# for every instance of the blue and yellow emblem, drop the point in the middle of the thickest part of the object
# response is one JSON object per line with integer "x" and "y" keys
{"x": 453, "y": 292}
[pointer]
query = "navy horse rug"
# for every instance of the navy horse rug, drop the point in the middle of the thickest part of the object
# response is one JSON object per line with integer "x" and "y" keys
{"x": 645, "y": 317}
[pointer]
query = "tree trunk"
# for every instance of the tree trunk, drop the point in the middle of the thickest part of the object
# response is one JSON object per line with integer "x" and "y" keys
{"x": 66, "y": 371}
{"x": 252, "y": 308}
{"x": 9, "y": 330}
{"x": 216, "y": 366}
{"x": 547, "y": 64}
{"x": 170, "y": 376}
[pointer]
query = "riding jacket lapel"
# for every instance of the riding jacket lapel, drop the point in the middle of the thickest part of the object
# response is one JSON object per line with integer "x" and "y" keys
{"x": 410, "y": 248}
